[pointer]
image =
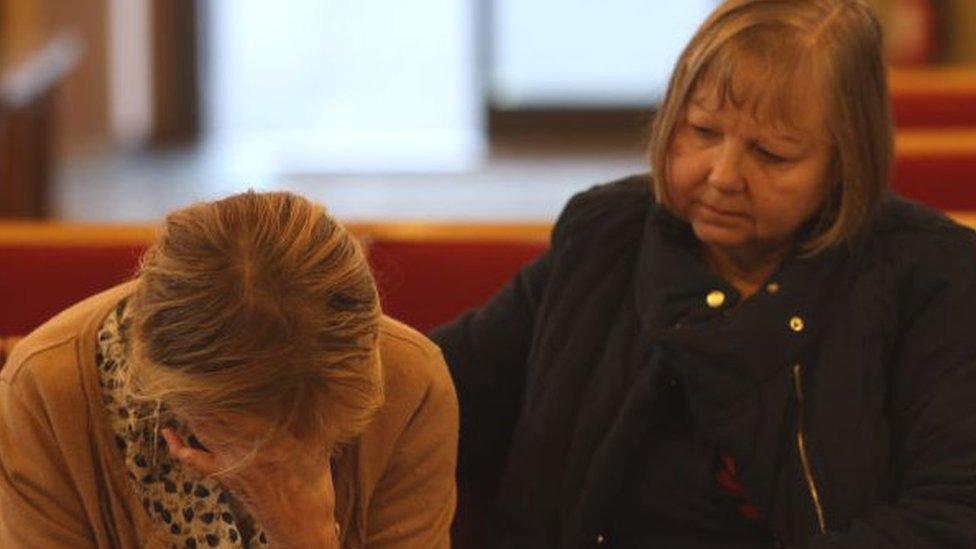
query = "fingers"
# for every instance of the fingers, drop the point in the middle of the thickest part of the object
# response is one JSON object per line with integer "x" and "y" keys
{"x": 222, "y": 461}
{"x": 177, "y": 450}
{"x": 203, "y": 462}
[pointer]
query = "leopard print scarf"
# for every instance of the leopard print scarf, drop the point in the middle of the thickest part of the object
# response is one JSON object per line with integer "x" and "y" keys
{"x": 197, "y": 511}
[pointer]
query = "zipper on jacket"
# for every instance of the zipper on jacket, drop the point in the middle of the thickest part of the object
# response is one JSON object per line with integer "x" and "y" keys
{"x": 801, "y": 447}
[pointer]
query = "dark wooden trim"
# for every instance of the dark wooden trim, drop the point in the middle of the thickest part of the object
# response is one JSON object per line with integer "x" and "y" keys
{"x": 534, "y": 131}
{"x": 26, "y": 158}
{"x": 569, "y": 119}
{"x": 27, "y": 125}
{"x": 175, "y": 78}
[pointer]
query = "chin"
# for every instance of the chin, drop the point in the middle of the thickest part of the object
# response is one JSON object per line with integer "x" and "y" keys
{"x": 719, "y": 235}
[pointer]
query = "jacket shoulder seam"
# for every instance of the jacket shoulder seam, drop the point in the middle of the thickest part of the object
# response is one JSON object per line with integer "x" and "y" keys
{"x": 17, "y": 366}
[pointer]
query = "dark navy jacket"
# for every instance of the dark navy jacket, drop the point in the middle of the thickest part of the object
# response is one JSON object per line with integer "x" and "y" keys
{"x": 845, "y": 390}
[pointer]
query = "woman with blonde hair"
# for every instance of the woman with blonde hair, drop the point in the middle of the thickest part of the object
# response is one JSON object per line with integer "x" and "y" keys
{"x": 244, "y": 390}
{"x": 755, "y": 346}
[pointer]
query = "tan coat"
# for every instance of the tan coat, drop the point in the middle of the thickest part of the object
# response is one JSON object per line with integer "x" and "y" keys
{"x": 63, "y": 484}
{"x": 6, "y": 345}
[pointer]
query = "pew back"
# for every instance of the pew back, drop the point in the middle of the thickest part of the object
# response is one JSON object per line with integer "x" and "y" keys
{"x": 426, "y": 273}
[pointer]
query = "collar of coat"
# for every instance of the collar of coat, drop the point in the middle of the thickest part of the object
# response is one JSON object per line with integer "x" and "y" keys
{"x": 734, "y": 361}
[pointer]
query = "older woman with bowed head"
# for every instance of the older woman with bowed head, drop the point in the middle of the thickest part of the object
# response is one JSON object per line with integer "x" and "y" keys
{"x": 755, "y": 346}
{"x": 243, "y": 391}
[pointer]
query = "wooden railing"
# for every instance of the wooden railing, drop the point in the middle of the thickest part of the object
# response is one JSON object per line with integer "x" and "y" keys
{"x": 936, "y": 97}
{"x": 54, "y": 233}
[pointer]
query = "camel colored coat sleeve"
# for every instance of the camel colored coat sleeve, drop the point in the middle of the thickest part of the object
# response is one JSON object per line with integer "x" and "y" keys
{"x": 39, "y": 505}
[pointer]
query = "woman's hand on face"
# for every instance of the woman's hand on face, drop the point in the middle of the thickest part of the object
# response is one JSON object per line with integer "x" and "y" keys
{"x": 287, "y": 491}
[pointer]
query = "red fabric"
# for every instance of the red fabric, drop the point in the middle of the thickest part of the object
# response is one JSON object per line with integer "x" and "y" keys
{"x": 935, "y": 110}
{"x": 425, "y": 283}
{"x": 728, "y": 482}
{"x": 750, "y": 512}
{"x": 726, "y": 477}
{"x": 36, "y": 282}
{"x": 944, "y": 181}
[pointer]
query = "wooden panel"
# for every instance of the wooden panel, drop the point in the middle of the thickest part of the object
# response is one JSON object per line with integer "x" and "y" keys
{"x": 82, "y": 108}
{"x": 175, "y": 94}
{"x": 934, "y": 97}
{"x": 28, "y": 81}
{"x": 943, "y": 141}
{"x": 960, "y": 29}
{"x": 25, "y": 159}
{"x": 48, "y": 233}
{"x": 948, "y": 79}
{"x": 63, "y": 234}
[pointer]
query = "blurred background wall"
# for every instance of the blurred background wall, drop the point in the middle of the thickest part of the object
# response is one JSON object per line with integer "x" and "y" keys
{"x": 121, "y": 109}
{"x": 27, "y": 27}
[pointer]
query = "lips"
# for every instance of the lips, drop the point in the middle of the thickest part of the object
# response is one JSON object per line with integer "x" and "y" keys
{"x": 718, "y": 212}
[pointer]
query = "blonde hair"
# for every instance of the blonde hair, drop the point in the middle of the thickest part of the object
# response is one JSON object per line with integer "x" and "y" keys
{"x": 261, "y": 305}
{"x": 839, "y": 44}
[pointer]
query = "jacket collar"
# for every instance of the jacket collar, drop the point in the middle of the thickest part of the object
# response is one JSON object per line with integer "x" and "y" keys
{"x": 672, "y": 278}
{"x": 673, "y": 284}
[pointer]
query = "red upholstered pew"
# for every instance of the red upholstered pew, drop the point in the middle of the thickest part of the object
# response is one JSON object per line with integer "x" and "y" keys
{"x": 429, "y": 273}
{"x": 426, "y": 273}
{"x": 943, "y": 97}
{"x": 937, "y": 167}
{"x": 935, "y": 116}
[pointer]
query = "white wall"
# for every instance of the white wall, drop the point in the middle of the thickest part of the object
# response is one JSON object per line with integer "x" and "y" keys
{"x": 342, "y": 85}
{"x": 584, "y": 52}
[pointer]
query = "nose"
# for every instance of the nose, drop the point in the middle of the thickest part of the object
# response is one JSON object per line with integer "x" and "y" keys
{"x": 726, "y": 169}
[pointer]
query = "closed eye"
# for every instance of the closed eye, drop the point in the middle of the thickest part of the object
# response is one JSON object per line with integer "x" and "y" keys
{"x": 770, "y": 156}
{"x": 704, "y": 131}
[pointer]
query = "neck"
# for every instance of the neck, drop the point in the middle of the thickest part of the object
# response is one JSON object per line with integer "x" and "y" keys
{"x": 745, "y": 270}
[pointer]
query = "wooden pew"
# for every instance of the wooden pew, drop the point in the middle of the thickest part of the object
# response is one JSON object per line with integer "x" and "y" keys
{"x": 426, "y": 273}
{"x": 938, "y": 97}
{"x": 937, "y": 167}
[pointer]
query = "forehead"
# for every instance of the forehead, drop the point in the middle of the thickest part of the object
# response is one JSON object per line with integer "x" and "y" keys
{"x": 780, "y": 97}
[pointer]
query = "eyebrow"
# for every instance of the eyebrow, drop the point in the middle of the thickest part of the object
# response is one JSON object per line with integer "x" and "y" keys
{"x": 784, "y": 137}
{"x": 698, "y": 102}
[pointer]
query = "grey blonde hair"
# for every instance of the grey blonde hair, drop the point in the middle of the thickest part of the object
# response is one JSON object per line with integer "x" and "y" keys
{"x": 796, "y": 43}
{"x": 261, "y": 305}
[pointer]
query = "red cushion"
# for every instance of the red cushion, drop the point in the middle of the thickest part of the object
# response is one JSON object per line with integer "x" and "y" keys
{"x": 425, "y": 283}
{"x": 943, "y": 181}
{"x": 952, "y": 109}
{"x": 39, "y": 281}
